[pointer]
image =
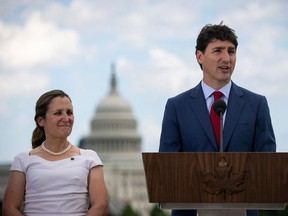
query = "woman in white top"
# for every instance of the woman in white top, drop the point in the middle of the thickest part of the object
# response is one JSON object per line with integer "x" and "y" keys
{"x": 55, "y": 177}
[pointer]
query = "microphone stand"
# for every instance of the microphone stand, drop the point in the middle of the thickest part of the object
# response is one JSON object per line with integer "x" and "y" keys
{"x": 219, "y": 107}
{"x": 221, "y": 132}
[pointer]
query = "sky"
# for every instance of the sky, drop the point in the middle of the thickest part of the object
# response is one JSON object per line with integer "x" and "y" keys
{"x": 71, "y": 45}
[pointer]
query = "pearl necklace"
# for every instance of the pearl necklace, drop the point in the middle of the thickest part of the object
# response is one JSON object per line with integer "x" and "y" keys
{"x": 56, "y": 153}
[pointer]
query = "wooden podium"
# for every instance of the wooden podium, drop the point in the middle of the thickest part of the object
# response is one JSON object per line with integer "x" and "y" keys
{"x": 217, "y": 181}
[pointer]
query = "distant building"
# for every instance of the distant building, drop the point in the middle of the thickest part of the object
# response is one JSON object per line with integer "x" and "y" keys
{"x": 4, "y": 173}
{"x": 115, "y": 138}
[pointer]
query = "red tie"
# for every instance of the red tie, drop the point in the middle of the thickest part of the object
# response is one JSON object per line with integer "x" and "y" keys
{"x": 215, "y": 119}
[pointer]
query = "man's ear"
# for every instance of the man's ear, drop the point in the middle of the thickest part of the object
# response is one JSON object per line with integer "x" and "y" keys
{"x": 199, "y": 56}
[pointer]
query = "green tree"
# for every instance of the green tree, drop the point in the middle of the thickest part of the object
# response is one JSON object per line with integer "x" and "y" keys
{"x": 128, "y": 211}
{"x": 274, "y": 212}
{"x": 155, "y": 211}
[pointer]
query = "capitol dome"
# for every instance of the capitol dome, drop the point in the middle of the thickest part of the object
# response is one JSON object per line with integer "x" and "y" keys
{"x": 113, "y": 135}
{"x": 113, "y": 127}
{"x": 114, "y": 106}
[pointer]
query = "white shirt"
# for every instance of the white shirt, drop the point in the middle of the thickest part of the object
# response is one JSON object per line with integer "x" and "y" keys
{"x": 56, "y": 187}
{"x": 208, "y": 94}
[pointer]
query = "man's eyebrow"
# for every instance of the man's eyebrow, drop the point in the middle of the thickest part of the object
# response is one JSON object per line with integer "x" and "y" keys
{"x": 219, "y": 47}
{"x": 222, "y": 47}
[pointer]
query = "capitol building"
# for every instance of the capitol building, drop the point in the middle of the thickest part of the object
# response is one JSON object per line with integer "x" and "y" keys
{"x": 113, "y": 135}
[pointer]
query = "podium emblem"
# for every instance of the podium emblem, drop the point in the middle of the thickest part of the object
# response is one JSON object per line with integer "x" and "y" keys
{"x": 223, "y": 180}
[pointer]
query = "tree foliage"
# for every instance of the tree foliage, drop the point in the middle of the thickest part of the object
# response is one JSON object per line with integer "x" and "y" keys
{"x": 155, "y": 211}
{"x": 128, "y": 211}
{"x": 275, "y": 212}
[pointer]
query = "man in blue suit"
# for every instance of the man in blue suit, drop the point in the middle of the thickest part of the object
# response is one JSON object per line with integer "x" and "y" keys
{"x": 186, "y": 125}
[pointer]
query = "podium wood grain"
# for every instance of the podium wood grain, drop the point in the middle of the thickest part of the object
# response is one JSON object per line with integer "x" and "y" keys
{"x": 180, "y": 177}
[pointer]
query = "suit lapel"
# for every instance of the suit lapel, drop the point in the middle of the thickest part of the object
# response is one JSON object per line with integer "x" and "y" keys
{"x": 234, "y": 109}
{"x": 199, "y": 107}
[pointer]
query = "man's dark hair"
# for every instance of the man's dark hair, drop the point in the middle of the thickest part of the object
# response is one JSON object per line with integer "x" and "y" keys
{"x": 215, "y": 32}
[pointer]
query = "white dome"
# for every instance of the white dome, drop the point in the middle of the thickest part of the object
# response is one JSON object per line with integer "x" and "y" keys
{"x": 113, "y": 127}
{"x": 113, "y": 103}
{"x": 113, "y": 106}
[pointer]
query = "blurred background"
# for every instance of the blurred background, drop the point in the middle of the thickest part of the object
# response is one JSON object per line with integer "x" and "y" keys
{"x": 72, "y": 44}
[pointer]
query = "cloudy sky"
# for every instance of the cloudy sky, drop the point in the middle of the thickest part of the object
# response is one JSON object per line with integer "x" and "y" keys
{"x": 71, "y": 45}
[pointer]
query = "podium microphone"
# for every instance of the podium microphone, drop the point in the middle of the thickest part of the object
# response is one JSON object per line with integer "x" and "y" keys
{"x": 219, "y": 107}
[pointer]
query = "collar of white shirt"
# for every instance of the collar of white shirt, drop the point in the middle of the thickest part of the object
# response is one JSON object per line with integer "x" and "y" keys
{"x": 208, "y": 91}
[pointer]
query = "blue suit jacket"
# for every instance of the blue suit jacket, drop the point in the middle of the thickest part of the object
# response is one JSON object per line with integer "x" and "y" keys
{"x": 186, "y": 126}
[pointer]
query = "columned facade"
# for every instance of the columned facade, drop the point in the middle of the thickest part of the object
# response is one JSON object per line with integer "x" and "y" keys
{"x": 113, "y": 135}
